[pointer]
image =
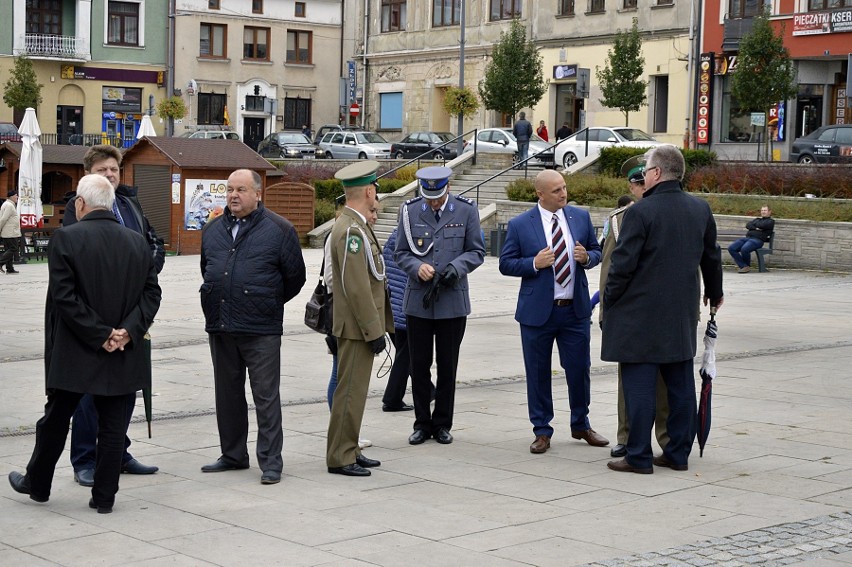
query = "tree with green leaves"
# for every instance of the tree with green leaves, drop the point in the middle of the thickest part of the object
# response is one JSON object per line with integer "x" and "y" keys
{"x": 22, "y": 90}
{"x": 513, "y": 78}
{"x": 764, "y": 75}
{"x": 620, "y": 80}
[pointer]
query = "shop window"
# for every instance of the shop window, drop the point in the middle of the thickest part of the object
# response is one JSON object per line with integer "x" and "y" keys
{"x": 297, "y": 112}
{"x": 256, "y": 43}
{"x": 390, "y": 111}
{"x": 123, "y": 23}
{"x": 446, "y": 13}
{"x": 211, "y": 108}
{"x": 736, "y": 122}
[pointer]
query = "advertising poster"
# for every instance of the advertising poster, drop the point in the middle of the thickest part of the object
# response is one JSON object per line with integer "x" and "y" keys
{"x": 705, "y": 97}
{"x": 205, "y": 200}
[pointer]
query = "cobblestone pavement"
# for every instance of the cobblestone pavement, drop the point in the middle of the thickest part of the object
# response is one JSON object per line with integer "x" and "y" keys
{"x": 784, "y": 544}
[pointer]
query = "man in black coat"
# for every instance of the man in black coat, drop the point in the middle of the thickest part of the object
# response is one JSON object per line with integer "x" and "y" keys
{"x": 650, "y": 321}
{"x": 102, "y": 297}
{"x": 252, "y": 265}
{"x": 759, "y": 231}
{"x": 105, "y": 160}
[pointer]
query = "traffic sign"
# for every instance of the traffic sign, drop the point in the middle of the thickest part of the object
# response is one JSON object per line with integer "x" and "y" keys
{"x": 354, "y": 109}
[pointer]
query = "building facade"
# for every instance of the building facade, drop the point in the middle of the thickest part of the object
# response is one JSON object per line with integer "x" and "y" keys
{"x": 102, "y": 64}
{"x": 258, "y": 67}
{"x": 818, "y": 35}
{"x": 406, "y": 54}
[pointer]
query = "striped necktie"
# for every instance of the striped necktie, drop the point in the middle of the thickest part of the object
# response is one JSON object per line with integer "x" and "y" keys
{"x": 561, "y": 265}
{"x": 117, "y": 213}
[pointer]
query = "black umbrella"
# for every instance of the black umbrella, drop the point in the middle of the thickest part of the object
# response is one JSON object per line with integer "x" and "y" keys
{"x": 708, "y": 373}
{"x": 146, "y": 392}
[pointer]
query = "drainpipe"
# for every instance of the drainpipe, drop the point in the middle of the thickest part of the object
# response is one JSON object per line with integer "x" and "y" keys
{"x": 365, "y": 64}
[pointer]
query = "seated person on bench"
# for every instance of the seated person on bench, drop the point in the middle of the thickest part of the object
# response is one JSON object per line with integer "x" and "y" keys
{"x": 758, "y": 232}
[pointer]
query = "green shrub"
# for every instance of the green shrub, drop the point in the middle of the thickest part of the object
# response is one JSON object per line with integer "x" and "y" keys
{"x": 595, "y": 190}
{"x": 328, "y": 189}
{"x": 612, "y": 159}
{"x": 521, "y": 190}
{"x": 323, "y": 211}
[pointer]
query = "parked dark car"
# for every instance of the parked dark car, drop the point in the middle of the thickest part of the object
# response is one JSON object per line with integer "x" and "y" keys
{"x": 9, "y": 132}
{"x": 419, "y": 143}
{"x": 829, "y": 144}
{"x": 287, "y": 145}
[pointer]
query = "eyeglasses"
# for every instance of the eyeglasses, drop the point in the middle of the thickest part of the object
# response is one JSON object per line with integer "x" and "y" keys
{"x": 647, "y": 169}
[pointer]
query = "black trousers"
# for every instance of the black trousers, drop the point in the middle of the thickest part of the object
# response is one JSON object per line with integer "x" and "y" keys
{"x": 398, "y": 378}
{"x": 52, "y": 431}
{"x": 445, "y": 335}
{"x": 261, "y": 356}
{"x": 10, "y": 252}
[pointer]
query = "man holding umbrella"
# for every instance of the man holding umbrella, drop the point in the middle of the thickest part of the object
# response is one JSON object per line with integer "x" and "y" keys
{"x": 650, "y": 321}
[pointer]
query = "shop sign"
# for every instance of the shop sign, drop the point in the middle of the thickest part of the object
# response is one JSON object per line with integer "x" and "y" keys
{"x": 705, "y": 97}
{"x": 816, "y": 23}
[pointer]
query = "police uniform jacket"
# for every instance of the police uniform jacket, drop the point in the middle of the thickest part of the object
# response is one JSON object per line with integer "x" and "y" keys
{"x": 361, "y": 306}
{"x": 454, "y": 240}
{"x": 247, "y": 281}
{"x": 101, "y": 277}
{"x": 651, "y": 288}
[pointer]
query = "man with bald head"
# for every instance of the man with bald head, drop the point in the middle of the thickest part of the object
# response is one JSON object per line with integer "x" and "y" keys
{"x": 252, "y": 265}
{"x": 550, "y": 248}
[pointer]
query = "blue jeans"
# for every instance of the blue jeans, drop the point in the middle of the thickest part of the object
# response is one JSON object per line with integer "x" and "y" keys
{"x": 523, "y": 150}
{"x": 742, "y": 248}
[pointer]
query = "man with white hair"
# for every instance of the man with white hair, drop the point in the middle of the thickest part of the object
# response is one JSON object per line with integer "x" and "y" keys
{"x": 102, "y": 297}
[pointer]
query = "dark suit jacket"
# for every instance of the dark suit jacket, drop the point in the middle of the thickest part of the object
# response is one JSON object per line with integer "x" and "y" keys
{"x": 523, "y": 241}
{"x": 101, "y": 277}
{"x": 651, "y": 288}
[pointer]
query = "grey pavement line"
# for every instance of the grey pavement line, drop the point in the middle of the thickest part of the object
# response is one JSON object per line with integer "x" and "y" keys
{"x": 782, "y": 544}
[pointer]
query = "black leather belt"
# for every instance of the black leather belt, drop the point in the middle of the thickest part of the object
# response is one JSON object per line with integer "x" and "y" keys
{"x": 562, "y": 302}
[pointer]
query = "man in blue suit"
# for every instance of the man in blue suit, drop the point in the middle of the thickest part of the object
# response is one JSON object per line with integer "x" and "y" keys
{"x": 550, "y": 248}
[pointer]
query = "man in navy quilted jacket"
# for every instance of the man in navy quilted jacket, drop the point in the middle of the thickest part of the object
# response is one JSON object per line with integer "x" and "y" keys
{"x": 252, "y": 265}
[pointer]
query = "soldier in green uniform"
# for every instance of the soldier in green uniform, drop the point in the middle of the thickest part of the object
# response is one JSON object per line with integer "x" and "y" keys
{"x": 362, "y": 316}
{"x": 634, "y": 170}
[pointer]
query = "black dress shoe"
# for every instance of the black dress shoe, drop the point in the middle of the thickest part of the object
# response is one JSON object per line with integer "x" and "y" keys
{"x": 21, "y": 485}
{"x": 403, "y": 407}
{"x": 366, "y": 462}
{"x": 101, "y": 509}
{"x": 618, "y": 451}
{"x": 135, "y": 467}
{"x": 270, "y": 477}
{"x": 418, "y": 437}
{"x": 222, "y": 465}
{"x": 350, "y": 470}
{"x": 443, "y": 436}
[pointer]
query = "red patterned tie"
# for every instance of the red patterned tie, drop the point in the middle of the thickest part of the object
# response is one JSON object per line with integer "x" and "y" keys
{"x": 562, "y": 265}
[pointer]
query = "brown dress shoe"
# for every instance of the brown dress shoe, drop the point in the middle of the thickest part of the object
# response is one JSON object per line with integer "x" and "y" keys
{"x": 624, "y": 466}
{"x": 662, "y": 461}
{"x": 591, "y": 437}
{"x": 540, "y": 445}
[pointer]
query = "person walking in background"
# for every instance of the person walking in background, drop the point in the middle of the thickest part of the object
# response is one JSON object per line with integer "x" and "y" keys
{"x": 439, "y": 242}
{"x": 649, "y": 317}
{"x": 542, "y": 131}
{"x": 94, "y": 328}
{"x": 10, "y": 231}
{"x": 634, "y": 170}
{"x": 564, "y": 132}
{"x": 759, "y": 231}
{"x": 522, "y": 130}
{"x": 105, "y": 160}
{"x": 362, "y": 316}
{"x": 252, "y": 264}
{"x": 398, "y": 379}
{"x": 550, "y": 248}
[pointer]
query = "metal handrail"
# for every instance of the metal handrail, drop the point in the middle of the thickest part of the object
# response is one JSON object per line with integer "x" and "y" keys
{"x": 431, "y": 152}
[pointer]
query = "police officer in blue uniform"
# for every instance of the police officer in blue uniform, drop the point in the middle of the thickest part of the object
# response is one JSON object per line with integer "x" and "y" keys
{"x": 439, "y": 244}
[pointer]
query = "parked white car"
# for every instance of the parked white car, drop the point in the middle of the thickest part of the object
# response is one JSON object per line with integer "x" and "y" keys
{"x": 573, "y": 148}
{"x": 501, "y": 140}
{"x": 212, "y": 135}
{"x": 355, "y": 145}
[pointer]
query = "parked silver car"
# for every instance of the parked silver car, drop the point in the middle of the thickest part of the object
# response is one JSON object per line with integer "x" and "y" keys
{"x": 355, "y": 145}
{"x": 501, "y": 140}
{"x": 573, "y": 147}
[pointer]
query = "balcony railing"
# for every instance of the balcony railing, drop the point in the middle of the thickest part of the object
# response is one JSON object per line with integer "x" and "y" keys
{"x": 59, "y": 46}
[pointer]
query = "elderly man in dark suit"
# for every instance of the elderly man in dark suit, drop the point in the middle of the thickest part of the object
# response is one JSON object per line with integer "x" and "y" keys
{"x": 102, "y": 297}
{"x": 550, "y": 248}
{"x": 650, "y": 321}
{"x": 438, "y": 244}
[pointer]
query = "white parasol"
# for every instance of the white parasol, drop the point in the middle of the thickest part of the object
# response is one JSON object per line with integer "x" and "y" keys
{"x": 146, "y": 128}
{"x": 29, "y": 174}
